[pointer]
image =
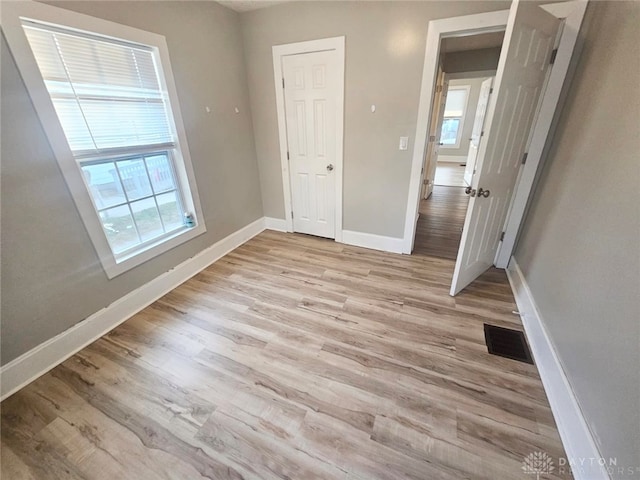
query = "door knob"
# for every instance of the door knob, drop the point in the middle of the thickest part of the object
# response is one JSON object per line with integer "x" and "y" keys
{"x": 483, "y": 193}
{"x": 330, "y": 167}
{"x": 470, "y": 191}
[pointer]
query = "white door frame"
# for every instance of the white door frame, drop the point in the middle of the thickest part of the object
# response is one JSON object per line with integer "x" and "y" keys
{"x": 573, "y": 13}
{"x": 334, "y": 43}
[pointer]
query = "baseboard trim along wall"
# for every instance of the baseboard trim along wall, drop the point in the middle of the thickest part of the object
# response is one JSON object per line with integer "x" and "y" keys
{"x": 39, "y": 360}
{"x": 349, "y": 237}
{"x": 452, "y": 158}
{"x": 277, "y": 224}
{"x": 576, "y": 437}
{"x": 375, "y": 242}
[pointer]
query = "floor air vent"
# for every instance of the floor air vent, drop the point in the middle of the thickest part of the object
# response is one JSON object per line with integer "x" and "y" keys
{"x": 508, "y": 343}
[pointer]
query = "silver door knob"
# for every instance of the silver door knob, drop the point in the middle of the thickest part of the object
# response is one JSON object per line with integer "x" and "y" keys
{"x": 330, "y": 167}
{"x": 483, "y": 193}
{"x": 470, "y": 191}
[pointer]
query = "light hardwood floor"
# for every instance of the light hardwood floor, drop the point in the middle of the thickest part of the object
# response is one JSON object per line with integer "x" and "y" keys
{"x": 292, "y": 357}
{"x": 440, "y": 222}
{"x": 449, "y": 174}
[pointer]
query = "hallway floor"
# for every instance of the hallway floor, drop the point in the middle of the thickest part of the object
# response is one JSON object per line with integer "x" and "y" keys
{"x": 440, "y": 223}
{"x": 449, "y": 175}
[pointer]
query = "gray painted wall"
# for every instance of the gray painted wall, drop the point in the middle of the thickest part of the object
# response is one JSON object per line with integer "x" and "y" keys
{"x": 51, "y": 276}
{"x": 385, "y": 44}
{"x": 469, "y": 117}
{"x": 471, "y": 60}
{"x": 580, "y": 250}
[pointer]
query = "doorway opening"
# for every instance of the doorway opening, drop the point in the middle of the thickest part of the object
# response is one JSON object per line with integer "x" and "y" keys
{"x": 539, "y": 42}
{"x": 467, "y": 67}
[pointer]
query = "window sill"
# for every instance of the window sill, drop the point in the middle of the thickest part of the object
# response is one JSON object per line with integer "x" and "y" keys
{"x": 116, "y": 266}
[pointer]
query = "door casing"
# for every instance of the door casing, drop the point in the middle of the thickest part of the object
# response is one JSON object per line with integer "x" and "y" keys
{"x": 573, "y": 13}
{"x": 337, "y": 44}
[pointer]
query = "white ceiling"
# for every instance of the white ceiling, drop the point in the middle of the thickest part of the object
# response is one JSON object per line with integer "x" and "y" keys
{"x": 247, "y": 5}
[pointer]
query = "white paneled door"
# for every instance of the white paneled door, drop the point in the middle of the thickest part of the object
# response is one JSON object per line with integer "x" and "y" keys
{"x": 520, "y": 79}
{"x": 311, "y": 83}
{"x": 476, "y": 133}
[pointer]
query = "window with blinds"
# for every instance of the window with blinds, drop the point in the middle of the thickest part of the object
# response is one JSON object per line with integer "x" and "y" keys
{"x": 107, "y": 93}
{"x": 109, "y": 98}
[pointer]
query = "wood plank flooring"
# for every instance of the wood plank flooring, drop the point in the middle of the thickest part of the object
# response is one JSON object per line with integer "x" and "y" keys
{"x": 440, "y": 222}
{"x": 449, "y": 174}
{"x": 292, "y": 357}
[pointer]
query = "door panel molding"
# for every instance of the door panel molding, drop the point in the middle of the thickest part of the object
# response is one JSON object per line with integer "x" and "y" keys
{"x": 519, "y": 84}
{"x": 338, "y": 45}
{"x": 544, "y": 124}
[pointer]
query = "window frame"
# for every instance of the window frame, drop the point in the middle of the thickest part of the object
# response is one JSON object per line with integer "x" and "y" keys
{"x": 462, "y": 118}
{"x": 12, "y": 15}
{"x": 142, "y": 155}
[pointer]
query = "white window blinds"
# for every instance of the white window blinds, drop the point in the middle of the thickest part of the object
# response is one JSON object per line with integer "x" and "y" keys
{"x": 456, "y": 103}
{"x": 107, "y": 93}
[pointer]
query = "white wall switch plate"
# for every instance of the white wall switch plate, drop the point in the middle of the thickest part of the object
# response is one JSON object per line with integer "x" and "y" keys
{"x": 404, "y": 143}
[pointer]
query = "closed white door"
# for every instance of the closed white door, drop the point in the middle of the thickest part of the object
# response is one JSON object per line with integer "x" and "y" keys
{"x": 476, "y": 133}
{"x": 520, "y": 79}
{"x": 311, "y": 96}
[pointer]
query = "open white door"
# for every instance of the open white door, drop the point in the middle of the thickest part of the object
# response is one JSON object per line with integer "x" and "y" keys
{"x": 526, "y": 52}
{"x": 433, "y": 146}
{"x": 311, "y": 96}
{"x": 476, "y": 133}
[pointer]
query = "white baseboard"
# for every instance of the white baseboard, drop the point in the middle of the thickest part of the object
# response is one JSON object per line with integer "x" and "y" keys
{"x": 359, "y": 239}
{"x": 375, "y": 242}
{"x": 39, "y": 360}
{"x": 277, "y": 224}
{"x": 452, "y": 158}
{"x": 575, "y": 434}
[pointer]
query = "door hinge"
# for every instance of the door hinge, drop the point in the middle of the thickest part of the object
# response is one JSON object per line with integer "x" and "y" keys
{"x": 490, "y": 90}
{"x": 291, "y": 214}
{"x": 524, "y": 158}
{"x": 287, "y": 155}
{"x": 482, "y": 133}
{"x": 283, "y": 83}
{"x": 432, "y": 138}
{"x": 502, "y": 236}
{"x": 554, "y": 54}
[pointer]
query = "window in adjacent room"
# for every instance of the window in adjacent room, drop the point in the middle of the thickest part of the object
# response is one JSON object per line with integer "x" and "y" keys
{"x": 124, "y": 141}
{"x": 454, "y": 113}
